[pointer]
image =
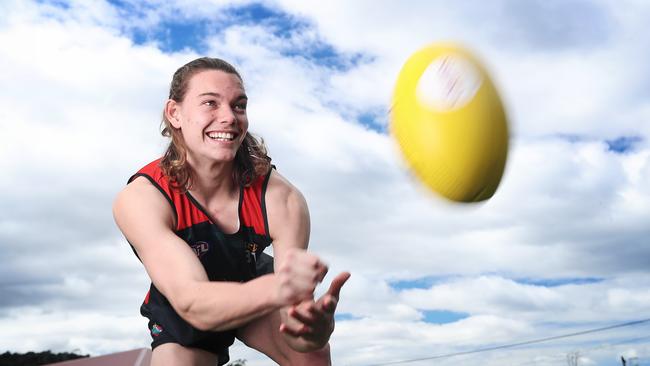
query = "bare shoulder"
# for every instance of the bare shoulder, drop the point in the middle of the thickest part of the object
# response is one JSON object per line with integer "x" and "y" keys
{"x": 146, "y": 219}
{"x": 140, "y": 192}
{"x": 287, "y": 211}
{"x": 140, "y": 201}
{"x": 280, "y": 190}
{"x": 283, "y": 198}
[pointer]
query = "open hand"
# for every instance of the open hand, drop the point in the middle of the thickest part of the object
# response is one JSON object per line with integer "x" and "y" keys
{"x": 313, "y": 321}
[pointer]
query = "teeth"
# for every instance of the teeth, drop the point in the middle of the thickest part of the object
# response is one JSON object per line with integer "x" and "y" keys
{"x": 221, "y": 136}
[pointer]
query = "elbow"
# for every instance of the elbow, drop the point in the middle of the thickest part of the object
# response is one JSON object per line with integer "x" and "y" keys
{"x": 197, "y": 317}
{"x": 187, "y": 309}
{"x": 201, "y": 325}
{"x": 194, "y": 320}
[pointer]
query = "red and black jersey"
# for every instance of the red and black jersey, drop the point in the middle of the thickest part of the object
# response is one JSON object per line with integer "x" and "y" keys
{"x": 234, "y": 257}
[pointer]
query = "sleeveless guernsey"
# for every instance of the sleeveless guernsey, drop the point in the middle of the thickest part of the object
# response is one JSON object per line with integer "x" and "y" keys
{"x": 234, "y": 257}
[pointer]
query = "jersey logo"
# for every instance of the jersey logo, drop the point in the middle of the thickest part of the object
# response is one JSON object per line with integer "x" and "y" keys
{"x": 200, "y": 248}
{"x": 251, "y": 250}
{"x": 156, "y": 330}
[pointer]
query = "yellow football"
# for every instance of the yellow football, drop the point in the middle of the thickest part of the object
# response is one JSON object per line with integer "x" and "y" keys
{"x": 450, "y": 124}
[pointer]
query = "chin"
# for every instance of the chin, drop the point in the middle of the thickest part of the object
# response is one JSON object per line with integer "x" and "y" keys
{"x": 224, "y": 157}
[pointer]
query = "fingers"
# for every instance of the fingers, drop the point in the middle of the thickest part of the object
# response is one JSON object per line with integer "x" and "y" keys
{"x": 294, "y": 330}
{"x": 307, "y": 320}
{"x": 321, "y": 270}
{"x": 314, "y": 320}
{"x": 329, "y": 303}
{"x": 305, "y": 313}
{"x": 337, "y": 283}
{"x": 302, "y": 320}
{"x": 298, "y": 273}
{"x": 302, "y": 263}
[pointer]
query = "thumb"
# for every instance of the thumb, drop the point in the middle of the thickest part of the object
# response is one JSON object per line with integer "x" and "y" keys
{"x": 337, "y": 283}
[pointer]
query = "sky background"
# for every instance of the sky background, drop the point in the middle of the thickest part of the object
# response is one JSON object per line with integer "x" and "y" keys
{"x": 561, "y": 248}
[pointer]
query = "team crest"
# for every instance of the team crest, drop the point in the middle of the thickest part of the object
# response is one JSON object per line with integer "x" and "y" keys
{"x": 200, "y": 248}
{"x": 251, "y": 250}
{"x": 156, "y": 330}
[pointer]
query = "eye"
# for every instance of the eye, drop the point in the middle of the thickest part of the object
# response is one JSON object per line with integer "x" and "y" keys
{"x": 210, "y": 103}
{"x": 240, "y": 107}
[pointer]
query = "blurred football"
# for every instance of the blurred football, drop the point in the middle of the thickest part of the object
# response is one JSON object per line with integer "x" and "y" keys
{"x": 450, "y": 124}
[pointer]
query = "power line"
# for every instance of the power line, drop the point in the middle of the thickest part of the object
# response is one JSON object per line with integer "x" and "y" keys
{"x": 585, "y": 350}
{"x": 588, "y": 349}
{"x": 512, "y": 345}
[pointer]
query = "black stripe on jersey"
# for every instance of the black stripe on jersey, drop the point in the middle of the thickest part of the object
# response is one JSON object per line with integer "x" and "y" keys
{"x": 205, "y": 212}
{"x": 263, "y": 203}
{"x": 239, "y": 208}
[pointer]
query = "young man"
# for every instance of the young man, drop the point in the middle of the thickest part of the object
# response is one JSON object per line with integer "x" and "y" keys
{"x": 199, "y": 219}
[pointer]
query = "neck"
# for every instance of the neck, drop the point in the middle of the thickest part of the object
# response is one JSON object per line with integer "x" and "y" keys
{"x": 212, "y": 180}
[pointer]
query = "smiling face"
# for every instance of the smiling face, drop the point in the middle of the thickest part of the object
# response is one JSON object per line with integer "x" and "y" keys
{"x": 212, "y": 116}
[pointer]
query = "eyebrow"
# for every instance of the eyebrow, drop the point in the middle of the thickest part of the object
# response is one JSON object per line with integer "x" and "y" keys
{"x": 217, "y": 95}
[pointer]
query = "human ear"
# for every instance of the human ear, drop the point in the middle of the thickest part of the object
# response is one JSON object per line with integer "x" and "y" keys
{"x": 172, "y": 113}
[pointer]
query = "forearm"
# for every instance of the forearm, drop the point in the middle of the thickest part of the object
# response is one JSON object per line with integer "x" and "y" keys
{"x": 218, "y": 306}
{"x": 263, "y": 335}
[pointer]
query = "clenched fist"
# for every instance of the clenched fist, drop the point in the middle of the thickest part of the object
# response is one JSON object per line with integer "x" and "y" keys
{"x": 298, "y": 274}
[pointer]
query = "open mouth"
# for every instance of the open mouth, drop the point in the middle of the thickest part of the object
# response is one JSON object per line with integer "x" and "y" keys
{"x": 222, "y": 136}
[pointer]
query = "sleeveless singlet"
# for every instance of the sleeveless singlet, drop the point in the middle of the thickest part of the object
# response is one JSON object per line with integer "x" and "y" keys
{"x": 234, "y": 257}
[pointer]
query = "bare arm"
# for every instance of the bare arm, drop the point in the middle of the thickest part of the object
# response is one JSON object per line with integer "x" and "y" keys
{"x": 281, "y": 335}
{"x": 289, "y": 226}
{"x": 146, "y": 219}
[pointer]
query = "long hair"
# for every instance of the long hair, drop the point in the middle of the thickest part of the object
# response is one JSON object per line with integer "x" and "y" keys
{"x": 251, "y": 160}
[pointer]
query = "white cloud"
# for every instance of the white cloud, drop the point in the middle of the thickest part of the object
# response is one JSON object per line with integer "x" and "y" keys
{"x": 82, "y": 112}
{"x": 622, "y": 298}
{"x": 84, "y": 332}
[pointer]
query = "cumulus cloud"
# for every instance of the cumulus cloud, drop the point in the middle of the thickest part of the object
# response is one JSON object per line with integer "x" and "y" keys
{"x": 87, "y": 82}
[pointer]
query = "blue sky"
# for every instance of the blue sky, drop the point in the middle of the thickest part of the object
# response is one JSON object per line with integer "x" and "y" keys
{"x": 173, "y": 33}
{"x": 561, "y": 247}
{"x": 427, "y": 282}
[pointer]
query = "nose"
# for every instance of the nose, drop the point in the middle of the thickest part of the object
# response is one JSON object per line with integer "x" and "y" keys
{"x": 226, "y": 115}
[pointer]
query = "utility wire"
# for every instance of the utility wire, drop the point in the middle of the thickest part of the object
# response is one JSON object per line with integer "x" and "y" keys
{"x": 586, "y": 350}
{"x": 589, "y": 349}
{"x": 512, "y": 345}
